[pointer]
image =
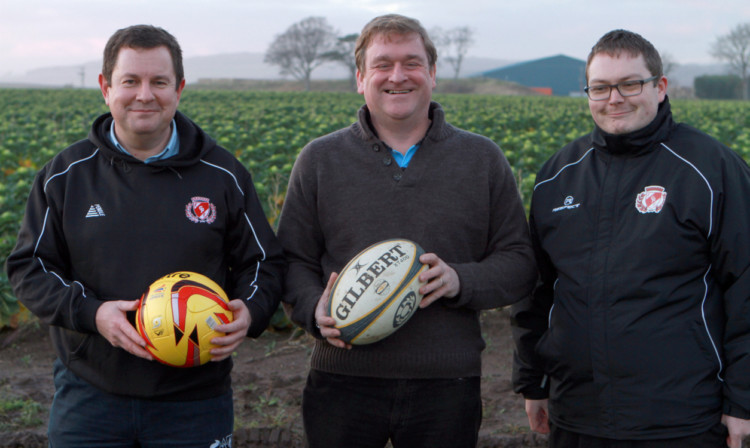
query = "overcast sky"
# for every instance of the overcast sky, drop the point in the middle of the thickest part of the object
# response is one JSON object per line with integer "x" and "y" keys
{"x": 43, "y": 33}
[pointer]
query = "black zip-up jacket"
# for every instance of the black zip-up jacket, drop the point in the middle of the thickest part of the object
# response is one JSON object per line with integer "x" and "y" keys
{"x": 102, "y": 225}
{"x": 639, "y": 327}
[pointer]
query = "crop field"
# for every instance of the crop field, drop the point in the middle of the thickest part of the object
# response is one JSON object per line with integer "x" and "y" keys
{"x": 266, "y": 131}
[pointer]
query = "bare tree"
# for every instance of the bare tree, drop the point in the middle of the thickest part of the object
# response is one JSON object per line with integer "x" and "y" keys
{"x": 302, "y": 48}
{"x": 453, "y": 44}
{"x": 735, "y": 49}
{"x": 344, "y": 53}
{"x": 668, "y": 63}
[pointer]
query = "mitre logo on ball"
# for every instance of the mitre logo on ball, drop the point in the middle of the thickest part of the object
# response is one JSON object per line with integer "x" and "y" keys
{"x": 377, "y": 291}
{"x": 177, "y": 316}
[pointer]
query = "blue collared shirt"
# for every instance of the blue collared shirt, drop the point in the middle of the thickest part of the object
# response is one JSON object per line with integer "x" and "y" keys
{"x": 404, "y": 159}
{"x": 172, "y": 148}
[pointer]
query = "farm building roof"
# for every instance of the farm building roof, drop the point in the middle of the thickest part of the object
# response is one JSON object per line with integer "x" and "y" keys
{"x": 562, "y": 74}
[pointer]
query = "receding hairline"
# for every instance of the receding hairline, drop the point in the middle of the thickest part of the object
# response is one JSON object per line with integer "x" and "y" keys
{"x": 391, "y": 25}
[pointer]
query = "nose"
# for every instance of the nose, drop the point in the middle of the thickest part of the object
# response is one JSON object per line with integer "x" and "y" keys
{"x": 615, "y": 96}
{"x": 398, "y": 74}
{"x": 144, "y": 93}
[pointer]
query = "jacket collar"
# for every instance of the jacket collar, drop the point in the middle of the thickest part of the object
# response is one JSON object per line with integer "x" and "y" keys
{"x": 639, "y": 141}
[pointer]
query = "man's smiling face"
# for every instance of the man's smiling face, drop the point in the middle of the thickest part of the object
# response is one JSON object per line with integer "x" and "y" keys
{"x": 618, "y": 114}
{"x": 397, "y": 80}
{"x": 143, "y": 96}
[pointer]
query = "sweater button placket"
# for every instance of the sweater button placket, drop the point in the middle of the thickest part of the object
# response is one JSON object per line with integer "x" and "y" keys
{"x": 387, "y": 161}
{"x": 397, "y": 177}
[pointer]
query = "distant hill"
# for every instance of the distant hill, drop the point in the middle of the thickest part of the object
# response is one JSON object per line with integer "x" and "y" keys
{"x": 220, "y": 66}
{"x": 479, "y": 86}
{"x": 60, "y": 76}
{"x": 251, "y": 66}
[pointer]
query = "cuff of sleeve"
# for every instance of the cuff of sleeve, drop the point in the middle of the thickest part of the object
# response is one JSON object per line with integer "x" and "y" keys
{"x": 736, "y": 410}
{"x": 533, "y": 388}
{"x": 464, "y": 294}
{"x": 87, "y": 317}
{"x": 303, "y": 312}
{"x": 536, "y": 395}
{"x": 259, "y": 319}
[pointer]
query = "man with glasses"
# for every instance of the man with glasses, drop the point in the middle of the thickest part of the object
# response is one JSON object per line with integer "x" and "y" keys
{"x": 638, "y": 334}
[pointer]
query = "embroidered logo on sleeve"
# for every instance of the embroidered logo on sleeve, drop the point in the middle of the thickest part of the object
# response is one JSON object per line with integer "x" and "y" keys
{"x": 95, "y": 211}
{"x": 226, "y": 442}
{"x": 651, "y": 199}
{"x": 200, "y": 210}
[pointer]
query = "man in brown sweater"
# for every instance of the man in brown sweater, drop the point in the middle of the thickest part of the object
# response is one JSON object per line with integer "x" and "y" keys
{"x": 401, "y": 171}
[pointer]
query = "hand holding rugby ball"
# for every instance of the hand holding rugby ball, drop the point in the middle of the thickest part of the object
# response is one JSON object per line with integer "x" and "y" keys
{"x": 377, "y": 292}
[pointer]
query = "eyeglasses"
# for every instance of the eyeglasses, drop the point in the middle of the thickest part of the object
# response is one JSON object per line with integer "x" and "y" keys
{"x": 601, "y": 92}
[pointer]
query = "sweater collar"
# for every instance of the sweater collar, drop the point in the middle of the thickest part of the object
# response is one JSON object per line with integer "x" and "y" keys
{"x": 438, "y": 130}
{"x": 636, "y": 142}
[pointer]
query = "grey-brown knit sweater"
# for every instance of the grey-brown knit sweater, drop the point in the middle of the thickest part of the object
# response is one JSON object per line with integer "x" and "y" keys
{"x": 458, "y": 199}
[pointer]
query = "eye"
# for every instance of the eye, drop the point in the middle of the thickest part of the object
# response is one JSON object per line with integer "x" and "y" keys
{"x": 598, "y": 89}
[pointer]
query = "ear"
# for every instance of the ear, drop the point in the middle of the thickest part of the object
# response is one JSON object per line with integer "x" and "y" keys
{"x": 104, "y": 86}
{"x": 360, "y": 82}
{"x": 179, "y": 90}
{"x": 661, "y": 88}
{"x": 433, "y": 75}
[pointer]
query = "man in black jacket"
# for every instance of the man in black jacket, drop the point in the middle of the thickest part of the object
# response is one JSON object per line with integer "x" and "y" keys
{"x": 637, "y": 334}
{"x": 146, "y": 194}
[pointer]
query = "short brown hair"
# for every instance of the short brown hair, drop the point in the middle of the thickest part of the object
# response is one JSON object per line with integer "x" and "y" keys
{"x": 141, "y": 36}
{"x": 392, "y": 24}
{"x": 617, "y": 42}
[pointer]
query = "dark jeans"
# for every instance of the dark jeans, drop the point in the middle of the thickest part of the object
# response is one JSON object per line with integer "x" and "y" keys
{"x": 341, "y": 411}
{"x": 84, "y": 416}
{"x": 716, "y": 437}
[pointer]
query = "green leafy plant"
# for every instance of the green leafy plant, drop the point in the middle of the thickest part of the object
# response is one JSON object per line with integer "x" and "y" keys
{"x": 266, "y": 131}
{"x": 18, "y": 413}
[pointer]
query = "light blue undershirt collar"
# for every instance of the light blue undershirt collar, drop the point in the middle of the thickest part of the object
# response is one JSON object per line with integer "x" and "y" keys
{"x": 404, "y": 159}
{"x": 172, "y": 148}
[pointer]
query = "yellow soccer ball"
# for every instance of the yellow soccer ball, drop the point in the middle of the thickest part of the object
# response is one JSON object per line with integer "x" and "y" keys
{"x": 177, "y": 316}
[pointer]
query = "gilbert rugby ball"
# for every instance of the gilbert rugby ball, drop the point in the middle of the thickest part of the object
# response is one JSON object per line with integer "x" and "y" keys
{"x": 377, "y": 291}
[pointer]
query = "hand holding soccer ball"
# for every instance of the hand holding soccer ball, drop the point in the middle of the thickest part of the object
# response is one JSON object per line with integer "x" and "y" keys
{"x": 177, "y": 317}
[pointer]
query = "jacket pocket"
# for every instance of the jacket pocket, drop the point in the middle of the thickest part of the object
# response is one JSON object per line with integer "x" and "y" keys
{"x": 565, "y": 356}
{"x": 75, "y": 343}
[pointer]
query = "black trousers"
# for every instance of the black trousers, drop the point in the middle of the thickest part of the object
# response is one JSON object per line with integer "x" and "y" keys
{"x": 716, "y": 437}
{"x": 341, "y": 411}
